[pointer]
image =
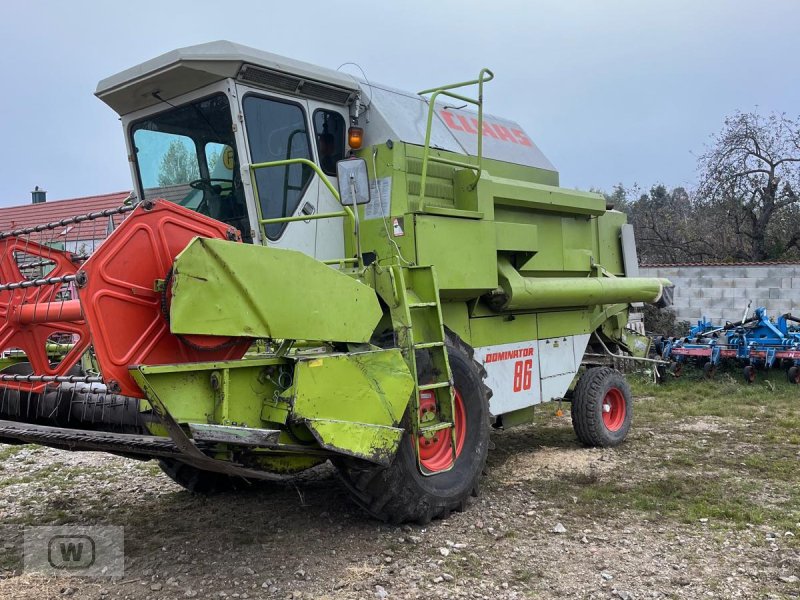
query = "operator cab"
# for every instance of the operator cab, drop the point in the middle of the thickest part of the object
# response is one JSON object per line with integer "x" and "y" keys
{"x": 200, "y": 120}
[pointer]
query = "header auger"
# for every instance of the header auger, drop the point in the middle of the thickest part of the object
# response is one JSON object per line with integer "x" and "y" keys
{"x": 314, "y": 268}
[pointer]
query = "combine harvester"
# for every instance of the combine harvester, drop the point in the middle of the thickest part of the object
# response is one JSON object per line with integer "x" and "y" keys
{"x": 314, "y": 268}
{"x": 756, "y": 342}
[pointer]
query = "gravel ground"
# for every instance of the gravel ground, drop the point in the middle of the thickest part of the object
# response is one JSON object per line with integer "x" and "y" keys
{"x": 545, "y": 526}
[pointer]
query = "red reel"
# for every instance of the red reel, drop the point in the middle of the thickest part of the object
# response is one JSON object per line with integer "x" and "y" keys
{"x": 122, "y": 306}
{"x": 34, "y": 319}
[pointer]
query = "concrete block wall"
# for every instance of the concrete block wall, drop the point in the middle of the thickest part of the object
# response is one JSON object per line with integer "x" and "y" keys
{"x": 721, "y": 292}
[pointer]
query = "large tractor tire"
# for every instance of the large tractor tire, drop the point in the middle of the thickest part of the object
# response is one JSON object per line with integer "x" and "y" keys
{"x": 400, "y": 493}
{"x": 602, "y": 408}
{"x": 199, "y": 481}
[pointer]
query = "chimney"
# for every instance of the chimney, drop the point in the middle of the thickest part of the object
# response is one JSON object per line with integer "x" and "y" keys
{"x": 38, "y": 196}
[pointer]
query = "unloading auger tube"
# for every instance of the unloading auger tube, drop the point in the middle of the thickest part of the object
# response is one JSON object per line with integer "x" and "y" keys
{"x": 534, "y": 293}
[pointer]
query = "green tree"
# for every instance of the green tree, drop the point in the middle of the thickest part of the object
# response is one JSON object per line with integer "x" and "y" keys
{"x": 666, "y": 227}
{"x": 665, "y": 224}
{"x": 213, "y": 159}
{"x": 178, "y": 165}
{"x": 619, "y": 198}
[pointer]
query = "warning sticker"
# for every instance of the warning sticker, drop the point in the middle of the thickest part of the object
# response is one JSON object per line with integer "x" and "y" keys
{"x": 380, "y": 192}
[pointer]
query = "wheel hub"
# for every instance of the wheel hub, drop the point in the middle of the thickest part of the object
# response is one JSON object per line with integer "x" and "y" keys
{"x": 436, "y": 448}
{"x": 614, "y": 409}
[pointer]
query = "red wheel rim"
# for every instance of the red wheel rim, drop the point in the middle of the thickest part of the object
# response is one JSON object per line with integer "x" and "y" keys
{"x": 435, "y": 453}
{"x": 614, "y": 409}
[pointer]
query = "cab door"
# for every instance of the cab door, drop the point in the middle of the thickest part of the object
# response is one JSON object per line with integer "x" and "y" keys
{"x": 330, "y": 135}
{"x": 277, "y": 128}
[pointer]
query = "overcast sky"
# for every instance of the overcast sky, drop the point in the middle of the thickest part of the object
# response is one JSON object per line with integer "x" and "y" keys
{"x": 613, "y": 91}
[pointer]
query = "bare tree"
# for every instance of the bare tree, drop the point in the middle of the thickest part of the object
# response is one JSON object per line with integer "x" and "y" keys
{"x": 749, "y": 186}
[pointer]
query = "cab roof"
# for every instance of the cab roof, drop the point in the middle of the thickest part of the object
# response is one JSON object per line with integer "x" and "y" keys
{"x": 186, "y": 69}
{"x": 392, "y": 114}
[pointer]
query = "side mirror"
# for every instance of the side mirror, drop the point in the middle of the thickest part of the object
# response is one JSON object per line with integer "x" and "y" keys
{"x": 353, "y": 181}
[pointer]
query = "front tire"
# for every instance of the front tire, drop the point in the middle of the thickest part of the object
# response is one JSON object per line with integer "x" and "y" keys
{"x": 199, "y": 481}
{"x": 400, "y": 493}
{"x": 602, "y": 408}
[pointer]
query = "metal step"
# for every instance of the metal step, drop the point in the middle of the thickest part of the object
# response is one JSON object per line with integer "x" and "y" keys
{"x": 436, "y": 427}
{"x": 434, "y": 386}
{"x": 81, "y": 439}
{"x": 425, "y": 345}
{"x": 422, "y": 304}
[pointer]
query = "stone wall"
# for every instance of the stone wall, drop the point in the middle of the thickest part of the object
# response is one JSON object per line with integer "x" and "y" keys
{"x": 721, "y": 292}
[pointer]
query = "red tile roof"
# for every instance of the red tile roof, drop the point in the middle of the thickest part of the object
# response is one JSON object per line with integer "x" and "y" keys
{"x": 28, "y": 215}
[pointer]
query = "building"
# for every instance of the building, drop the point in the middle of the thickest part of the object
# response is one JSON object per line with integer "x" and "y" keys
{"x": 81, "y": 238}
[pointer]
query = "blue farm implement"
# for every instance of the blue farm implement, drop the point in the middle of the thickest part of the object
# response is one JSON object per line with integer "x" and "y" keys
{"x": 755, "y": 342}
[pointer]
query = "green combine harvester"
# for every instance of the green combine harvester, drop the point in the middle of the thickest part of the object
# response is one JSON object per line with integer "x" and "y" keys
{"x": 315, "y": 268}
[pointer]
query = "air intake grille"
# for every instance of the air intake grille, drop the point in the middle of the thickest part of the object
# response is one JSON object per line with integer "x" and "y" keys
{"x": 292, "y": 84}
{"x": 271, "y": 79}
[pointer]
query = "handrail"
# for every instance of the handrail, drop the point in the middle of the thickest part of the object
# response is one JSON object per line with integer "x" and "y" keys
{"x": 484, "y": 76}
{"x": 292, "y": 161}
{"x": 311, "y": 217}
{"x": 345, "y": 212}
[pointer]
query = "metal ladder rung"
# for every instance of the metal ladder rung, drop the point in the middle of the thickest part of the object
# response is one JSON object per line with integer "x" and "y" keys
{"x": 433, "y": 386}
{"x": 423, "y": 345}
{"x": 435, "y": 427}
{"x": 422, "y": 304}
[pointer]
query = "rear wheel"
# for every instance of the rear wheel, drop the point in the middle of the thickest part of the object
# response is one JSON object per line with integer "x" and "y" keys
{"x": 400, "y": 492}
{"x": 602, "y": 408}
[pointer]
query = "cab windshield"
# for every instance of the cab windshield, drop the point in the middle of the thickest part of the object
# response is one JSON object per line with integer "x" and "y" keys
{"x": 187, "y": 155}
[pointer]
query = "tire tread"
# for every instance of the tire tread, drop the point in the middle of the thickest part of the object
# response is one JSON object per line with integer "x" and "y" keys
{"x": 384, "y": 492}
{"x": 586, "y": 420}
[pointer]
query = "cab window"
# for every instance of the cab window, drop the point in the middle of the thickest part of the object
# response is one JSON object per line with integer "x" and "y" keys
{"x": 329, "y": 130}
{"x": 277, "y": 131}
{"x": 186, "y": 155}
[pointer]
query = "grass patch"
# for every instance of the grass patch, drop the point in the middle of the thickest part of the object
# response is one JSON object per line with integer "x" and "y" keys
{"x": 683, "y": 498}
{"x": 58, "y": 475}
{"x": 9, "y": 451}
{"x": 720, "y": 450}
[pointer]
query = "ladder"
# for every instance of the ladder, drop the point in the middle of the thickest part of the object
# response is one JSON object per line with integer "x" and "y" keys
{"x": 419, "y": 327}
